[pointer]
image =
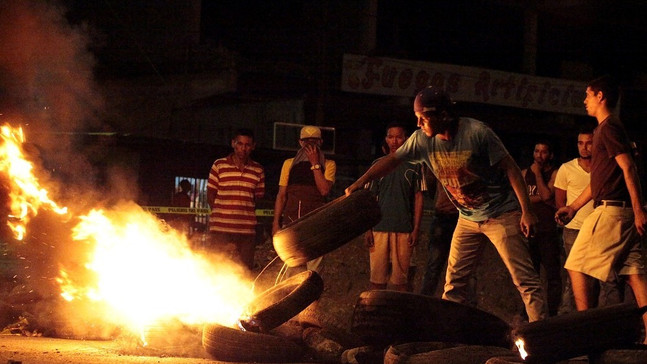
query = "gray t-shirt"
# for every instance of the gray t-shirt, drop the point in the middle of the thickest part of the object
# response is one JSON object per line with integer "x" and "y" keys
{"x": 464, "y": 166}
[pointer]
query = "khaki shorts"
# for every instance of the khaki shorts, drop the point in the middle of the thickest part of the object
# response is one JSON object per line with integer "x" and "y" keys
{"x": 607, "y": 242}
{"x": 394, "y": 247}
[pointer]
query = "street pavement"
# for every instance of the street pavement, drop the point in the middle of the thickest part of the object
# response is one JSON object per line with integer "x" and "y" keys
{"x": 43, "y": 350}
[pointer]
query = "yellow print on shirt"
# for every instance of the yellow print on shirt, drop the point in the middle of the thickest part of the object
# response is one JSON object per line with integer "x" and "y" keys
{"x": 466, "y": 188}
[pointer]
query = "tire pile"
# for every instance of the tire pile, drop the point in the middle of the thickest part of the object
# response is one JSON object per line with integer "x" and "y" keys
{"x": 397, "y": 327}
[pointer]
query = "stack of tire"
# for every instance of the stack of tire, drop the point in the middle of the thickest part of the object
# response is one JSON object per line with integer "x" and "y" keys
{"x": 413, "y": 328}
{"x": 315, "y": 234}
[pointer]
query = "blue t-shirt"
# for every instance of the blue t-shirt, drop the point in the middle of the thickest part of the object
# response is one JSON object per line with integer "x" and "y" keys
{"x": 464, "y": 167}
{"x": 395, "y": 195}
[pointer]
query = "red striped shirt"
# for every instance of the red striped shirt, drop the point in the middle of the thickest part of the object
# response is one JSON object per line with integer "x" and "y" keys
{"x": 236, "y": 194}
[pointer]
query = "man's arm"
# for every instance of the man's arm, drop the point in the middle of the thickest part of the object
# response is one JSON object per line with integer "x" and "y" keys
{"x": 560, "y": 197}
{"x": 211, "y": 196}
{"x": 632, "y": 181}
{"x": 323, "y": 185}
{"x": 279, "y": 205}
{"x": 528, "y": 218}
{"x": 418, "y": 203}
{"x": 545, "y": 190}
{"x": 379, "y": 169}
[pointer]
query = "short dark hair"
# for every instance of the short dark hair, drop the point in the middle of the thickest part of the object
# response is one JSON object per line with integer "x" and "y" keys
{"x": 397, "y": 124}
{"x": 545, "y": 142}
{"x": 243, "y": 132}
{"x": 585, "y": 129}
{"x": 609, "y": 87}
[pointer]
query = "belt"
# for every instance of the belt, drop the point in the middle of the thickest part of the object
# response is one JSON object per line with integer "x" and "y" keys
{"x": 615, "y": 203}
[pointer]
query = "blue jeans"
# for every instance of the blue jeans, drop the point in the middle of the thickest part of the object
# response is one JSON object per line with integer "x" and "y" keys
{"x": 505, "y": 234}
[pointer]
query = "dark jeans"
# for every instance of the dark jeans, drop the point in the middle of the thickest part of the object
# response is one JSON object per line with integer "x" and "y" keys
{"x": 545, "y": 251}
{"x": 441, "y": 231}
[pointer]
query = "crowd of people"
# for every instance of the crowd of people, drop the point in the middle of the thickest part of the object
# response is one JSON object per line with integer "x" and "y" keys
{"x": 480, "y": 196}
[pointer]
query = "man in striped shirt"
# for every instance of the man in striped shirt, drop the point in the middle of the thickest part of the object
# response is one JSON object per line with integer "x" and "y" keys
{"x": 235, "y": 183}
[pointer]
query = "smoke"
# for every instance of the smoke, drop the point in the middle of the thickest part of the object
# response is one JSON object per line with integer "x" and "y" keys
{"x": 46, "y": 81}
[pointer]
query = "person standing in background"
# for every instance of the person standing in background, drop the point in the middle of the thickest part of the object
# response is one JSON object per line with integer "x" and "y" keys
{"x": 572, "y": 178}
{"x": 544, "y": 245}
{"x": 394, "y": 238}
{"x": 304, "y": 184}
{"x": 235, "y": 183}
{"x": 610, "y": 240}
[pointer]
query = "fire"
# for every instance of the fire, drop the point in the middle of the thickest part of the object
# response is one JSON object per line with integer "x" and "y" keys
{"x": 134, "y": 270}
{"x": 521, "y": 346}
{"x": 147, "y": 273}
{"x": 25, "y": 193}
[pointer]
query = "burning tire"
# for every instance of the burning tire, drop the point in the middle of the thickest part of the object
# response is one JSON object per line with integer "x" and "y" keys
{"x": 384, "y": 317}
{"x": 327, "y": 228}
{"x": 580, "y": 333}
{"x": 283, "y": 301}
{"x": 227, "y": 344}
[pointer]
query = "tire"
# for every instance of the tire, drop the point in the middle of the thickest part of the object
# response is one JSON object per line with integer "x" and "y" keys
{"x": 327, "y": 228}
{"x": 383, "y": 317}
{"x": 232, "y": 345}
{"x": 635, "y": 355}
{"x": 399, "y": 353}
{"x": 282, "y": 302}
{"x": 581, "y": 332}
{"x": 470, "y": 354}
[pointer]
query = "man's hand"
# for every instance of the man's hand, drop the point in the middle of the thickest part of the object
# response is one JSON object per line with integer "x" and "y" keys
{"x": 368, "y": 239}
{"x": 536, "y": 169}
{"x": 528, "y": 223}
{"x": 312, "y": 151}
{"x": 564, "y": 215}
{"x": 354, "y": 187}
{"x": 413, "y": 238}
{"x": 640, "y": 220}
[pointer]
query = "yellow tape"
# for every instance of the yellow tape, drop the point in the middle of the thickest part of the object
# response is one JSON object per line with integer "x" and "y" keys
{"x": 195, "y": 211}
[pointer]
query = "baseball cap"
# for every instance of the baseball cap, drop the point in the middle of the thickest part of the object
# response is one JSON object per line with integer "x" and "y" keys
{"x": 432, "y": 99}
{"x": 310, "y": 131}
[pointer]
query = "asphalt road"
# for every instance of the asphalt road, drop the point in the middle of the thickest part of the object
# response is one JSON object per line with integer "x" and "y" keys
{"x": 37, "y": 350}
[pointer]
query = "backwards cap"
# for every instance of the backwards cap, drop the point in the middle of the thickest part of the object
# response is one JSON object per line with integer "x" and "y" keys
{"x": 432, "y": 99}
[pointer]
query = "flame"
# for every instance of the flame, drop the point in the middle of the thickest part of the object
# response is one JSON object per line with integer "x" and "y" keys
{"x": 147, "y": 274}
{"x": 521, "y": 346}
{"x": 25, "y": 193}
{"x": 135, "y": 271}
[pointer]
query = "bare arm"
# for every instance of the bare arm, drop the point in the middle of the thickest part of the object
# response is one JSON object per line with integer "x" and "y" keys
{"x": 528, "y": 218}
{"x": 635, "y": 192}
{"x": 545, "y": 190}
{"x": 323, "y": 185}
{"x": 279, "y": 205}
{"x": 417, "y": 217}
{"x": 380, "y": 169}
{"x": 211, "y": 196}
{"x": 560, "y": 197}
{"x": 565, "y": 214}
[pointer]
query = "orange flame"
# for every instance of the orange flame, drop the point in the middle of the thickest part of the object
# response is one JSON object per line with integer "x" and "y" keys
{"x": 137, "y": 271}
{"x": 521, "y": 346}
{"x": 25, "y": 193}
{"x": 147, "y": 274}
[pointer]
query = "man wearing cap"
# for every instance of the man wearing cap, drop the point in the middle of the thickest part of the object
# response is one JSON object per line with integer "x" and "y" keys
{"x": 304, "y": 183}
{"x": 486, "y": 186}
